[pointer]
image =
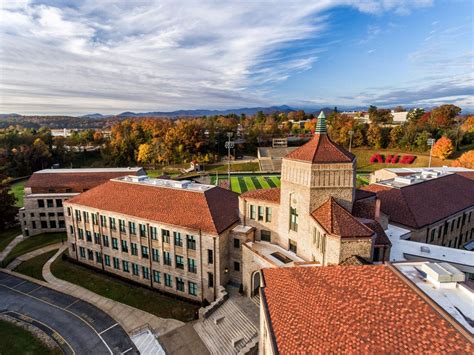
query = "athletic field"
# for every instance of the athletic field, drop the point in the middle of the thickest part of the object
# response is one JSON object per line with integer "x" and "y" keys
{"x": 242, "y": 184}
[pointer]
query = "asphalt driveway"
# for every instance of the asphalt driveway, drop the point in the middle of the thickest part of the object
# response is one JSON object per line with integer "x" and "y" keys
{"x": 77, "y": 326}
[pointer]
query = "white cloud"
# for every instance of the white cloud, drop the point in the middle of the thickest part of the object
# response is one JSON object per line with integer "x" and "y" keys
{"x": 111, "y": 56}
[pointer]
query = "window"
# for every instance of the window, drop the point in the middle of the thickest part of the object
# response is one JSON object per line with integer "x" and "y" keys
{"x": 268, "y": 214}
{"x": 86, "y": 216}
{"x": 124, "y": 246}
{"x": 50, "y": 214}
{"x": 236, "y": 243}
{"x": 94, "y": 219}
{"x": 145, "y": 252}
{"x": 135, "y": 270}
{"x": 156, "y": 276}
{"x": 44, "y": 225}
{"x": 293, "y": 247}
{"x": 168, "y": 280}
{"x": 179, "y": 284}
{"x": 68, "y": 190}
{"x": 236, "y": 266}
{"x": 122, "y": 225}
{"x": 107, "y": 260}
{"x": 142, "y": 228}
{"x": 40, "y": 203}
{"x": 190, "y": 242}
{"x": 59, "y": 202}
{"x": 293, "y": 219}
{"x": 90, "y": 254}
{"x": 260, "y": 213}
{"x": 252, "y": 212}
{"x": 80, "y": 232}
{"x": 96, "y": 238}
{"x": 42, "y": 214}
{"x": 458, "y": 224}
{"x": 155, "y": 254}
{"x": 114, "y": 243}
{"x": 78, "y": 215}
{"x": 103, "y": 221}
{"x": 98, "y": 257}
{"x": 192, "y": 265}
{"x": 82, "y": 252}
{"x": 145, "y": 272}
{"x": 432, "y": 235}
{"x": 34, "y": 224}
{"x": 192, "y": 288}
{"x": 177, "y": 239}
{"x": 210, "y": 279}
{"x": 112, "y": 223}
{"x": 166, "y": 258}
{"x": 179, "y": 262}
{"x": 134, "y": 248}
{"x": 116, "y": 263}
{"x": 132, "y": 228}
{"x": 165, "y": 234}
{"x": 265, "y": 236}
{"x": 50, "y": 203}
{"x": 153, "y": 233}
{"x": 62, "y": 224}
{"x": 210, "y": 256}
{"x": 105, "y": 240}
{"x": 60, "y": 214}
{"x": 125, "y": 266}
{"x": 69, "y": 211}
{"x": 52, "y": 224}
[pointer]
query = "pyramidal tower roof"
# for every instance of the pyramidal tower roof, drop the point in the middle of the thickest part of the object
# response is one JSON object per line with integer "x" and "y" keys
{"x": 321, "y": 149}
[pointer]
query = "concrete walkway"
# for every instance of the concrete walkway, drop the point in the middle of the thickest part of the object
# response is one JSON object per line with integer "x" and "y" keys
{"x": 32, "y": 254}
{"x": 13, "y": 243}
{"x": 130, "y": 318}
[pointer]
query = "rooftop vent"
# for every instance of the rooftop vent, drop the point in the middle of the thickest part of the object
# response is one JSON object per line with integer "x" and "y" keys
{"x": 430, "y": 174}
{"x": 443, "y": 274}
{"x": 180, "y": 184}
{"x": 405, "y": 179}
{"x": 135, "y": 178}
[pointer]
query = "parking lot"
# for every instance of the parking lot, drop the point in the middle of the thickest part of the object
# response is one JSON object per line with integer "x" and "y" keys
{"x": 77, "y": 326}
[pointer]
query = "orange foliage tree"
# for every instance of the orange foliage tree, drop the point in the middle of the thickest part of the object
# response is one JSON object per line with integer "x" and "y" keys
{"x": 443, "y": 148}
{"x": 466, "y": 160}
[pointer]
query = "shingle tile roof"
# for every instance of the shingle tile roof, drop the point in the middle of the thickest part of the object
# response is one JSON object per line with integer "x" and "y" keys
{"x": 353, "y": 309}
{"x": 425, "y": 203}
{"x": 211, "y": 211}
{"x": 268, "y": 195}
{"x": 336, "y": 220}
{"x": 320, "y": 149}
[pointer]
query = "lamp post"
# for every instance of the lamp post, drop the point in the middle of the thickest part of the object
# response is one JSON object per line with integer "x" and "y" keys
{"x": 351, "y": 132}
{"x": 229, "y": 145}
{"x": 431, "y": 143}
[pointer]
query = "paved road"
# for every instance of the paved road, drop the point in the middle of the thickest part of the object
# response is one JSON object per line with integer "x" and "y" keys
{"x": 77, "y": 326}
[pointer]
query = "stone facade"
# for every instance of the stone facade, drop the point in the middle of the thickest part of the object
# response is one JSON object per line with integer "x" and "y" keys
{"x": 172, "y": 259}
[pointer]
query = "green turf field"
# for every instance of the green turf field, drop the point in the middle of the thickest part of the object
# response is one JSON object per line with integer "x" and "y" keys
{"x": 242, "y": 184}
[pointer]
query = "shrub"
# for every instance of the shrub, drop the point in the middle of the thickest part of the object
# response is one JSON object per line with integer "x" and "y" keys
{"x": 376, "y": 158}
{"x": 407, "y": 159}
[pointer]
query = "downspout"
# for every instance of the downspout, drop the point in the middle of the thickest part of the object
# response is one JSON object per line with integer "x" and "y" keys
{"x": 150, "y": 253}
{"x": 200, "y": 264}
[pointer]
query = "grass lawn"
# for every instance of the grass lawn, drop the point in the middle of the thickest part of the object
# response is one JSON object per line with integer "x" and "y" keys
{"x": 7, "y": 236}
{"x": 422, "y": 159}
{"x": 242, "y": 184}
{"x": 34, "y": 266}
{"x": 236, "y": 167}
{"x": 33, "y": 243}
{"x": 17, "y": 189}
{"x": 118, "y": 290}
{"x": 16, "y": 340}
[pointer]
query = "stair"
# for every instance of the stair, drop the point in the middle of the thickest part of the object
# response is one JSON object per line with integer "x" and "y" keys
{"x": 146, "y": 343}
{"x": 227, "y": 331}
{"x": 256, "y": 299}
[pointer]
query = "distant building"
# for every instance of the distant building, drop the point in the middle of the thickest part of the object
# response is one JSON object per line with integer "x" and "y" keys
{"x": 398, "y": 117}
{"x": 392, "y": 173}
{"x": 404, "y": 308}
{"x": 435, "y": 205}
{"x": 173, "y": 236}
{"x": 46, "y": 190}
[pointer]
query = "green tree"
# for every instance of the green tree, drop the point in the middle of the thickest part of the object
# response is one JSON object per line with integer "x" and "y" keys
{"x": 396, "y": 134}
{"x": 8, "y": 211}
{"x": 421, "y": 141}
{"x": 374, "y": 136}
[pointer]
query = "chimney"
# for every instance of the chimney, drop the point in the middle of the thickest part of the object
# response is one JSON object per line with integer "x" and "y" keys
{"x": 377, "y": 209}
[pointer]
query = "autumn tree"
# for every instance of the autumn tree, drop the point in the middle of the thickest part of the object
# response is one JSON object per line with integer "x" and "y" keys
{"x": 396, "y": 134}
{"x": 374, "y": 136}
{"x": 443, "y": 148}
{"x": 443, "y": 116}
{"x": 466, "y": 160}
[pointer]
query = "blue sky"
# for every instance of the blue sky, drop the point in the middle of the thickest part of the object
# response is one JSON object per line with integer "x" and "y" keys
{"x": 78, "y": 57}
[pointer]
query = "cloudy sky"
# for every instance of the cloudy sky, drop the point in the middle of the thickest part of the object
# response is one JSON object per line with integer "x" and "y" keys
{"x": 78, "y": 57}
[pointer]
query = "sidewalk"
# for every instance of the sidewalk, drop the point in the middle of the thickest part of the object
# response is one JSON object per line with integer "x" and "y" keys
{"x": 130, "y": 318}
{"x": 32, "y": 254}
{"x": 13, "y": 243}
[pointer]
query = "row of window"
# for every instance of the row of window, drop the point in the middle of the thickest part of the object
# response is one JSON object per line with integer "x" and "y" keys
{"x": 443, "y": 229}
{"x": 260, "y": 213}
{"x": 178, "y": 239}
{"x": 47, "y": 224}
{"x": 50, "y": 203}
{"x": 138, "y": 271}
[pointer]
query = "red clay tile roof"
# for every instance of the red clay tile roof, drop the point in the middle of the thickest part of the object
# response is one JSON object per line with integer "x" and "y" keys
{"x": 336, "y": 220}
{"x": 75, "y": 181}
{"x": 381, "y": 238}
{"x": 320, "y": 149}
{"x": 364, "y": 208}
{"x": 211, "y": 211}
{"x": 353, "y": 309}
{"x": 425, "y": 203}
{"x": 269, "y": 195}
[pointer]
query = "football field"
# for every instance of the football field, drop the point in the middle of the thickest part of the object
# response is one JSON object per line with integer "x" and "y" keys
{"x": 241, "y": 184}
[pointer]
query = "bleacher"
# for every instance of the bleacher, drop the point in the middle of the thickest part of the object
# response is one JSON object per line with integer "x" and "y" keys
{"x": 269, "y": 158}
